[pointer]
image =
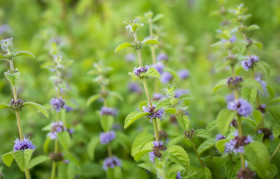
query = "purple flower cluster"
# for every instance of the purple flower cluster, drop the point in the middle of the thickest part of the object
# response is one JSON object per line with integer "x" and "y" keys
{"x": 178, "y": 175}
{"x": 242, "y": 107}
{"x": 153, "y": 114}
{"x": 234, "y": 82}
{"x": 157, "y": 97}
{"x": 111, "y": 163}
{"x": 156, "y": 151}
{"x": 162, "y": 57}
{"x": 23, "y": 144}
{"x": 229, "y": 98}
{"x": 55, "y": 128}
{"x": 180, "y": 92}
{"x": 232, "y": 39}
{"x": 183, "y": 74}
{"x": 267, "y": 134}
{"x": 108, "y": 111}
{"x": 263, "y": 83}
{"x": 236, "y": 145}
{"x": 250, "y": 63}
{"x": 139, "y": 70}
{"x": 219, "y": 137}
{"x": 57, "y": 104}
{"x": 245, "y": 173}
{"x": 130, "y": 57}
{"x": 134, "y": 87}
{"x": 159, "y": 67}
{"x": 166, "y": 77}
{"x": 107, "y": 137}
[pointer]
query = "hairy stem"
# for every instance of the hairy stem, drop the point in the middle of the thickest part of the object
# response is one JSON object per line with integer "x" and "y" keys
{"x": 197, "y": 155}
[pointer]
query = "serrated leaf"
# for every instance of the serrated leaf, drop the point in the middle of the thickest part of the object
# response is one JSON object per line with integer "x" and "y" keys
{"x": 258, "y": 116}
{"x": 249, "y": 93}
{"x": 257, "y": 154}
{"x": 149, "y": 41}
{"x": 39, "y": 107}
{"x": 265, "y": 67}
{"x": 24, "y": 53}
{"x": 91, "y": 146}
{"x": 132, "y": 117}
{"x": 220, "y": 145}
{"x": 37, "y": 160}
{"x": 22, "y": 157}
{"x": 145, "y": 149}
{"x": 175, "y": 140}
{"x": 92, "y": 99}
{"x": 202, "y": 133}
{"x": 64, "y": 139}
{"x": 140, "y": 140}
{"x": 220, "y": 84}
{"x": 184, "y": 122}
{"x": 4, "y": 106}
{"x": 206, "y": 145}
{"x": 251, "y": 83}
{"x": 12, "y": 77}
{"x": 123, "y": 46}
{"x": 163, "y": 103}
{"x": 276, "y": 131}
{"x": 224, "y": 119}
{"x": 8, "y": 158}
{"x": 179, "y": 155}
{"x": 151, "y": 73}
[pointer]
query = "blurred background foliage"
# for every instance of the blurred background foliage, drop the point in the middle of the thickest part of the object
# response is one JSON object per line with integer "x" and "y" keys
{"x": 89, "y": 31}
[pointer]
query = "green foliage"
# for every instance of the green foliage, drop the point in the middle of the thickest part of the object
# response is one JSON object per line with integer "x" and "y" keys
{"x": 224, "y": 119}
{"x": 64, "y": 139}
{"x": 179, "y": 155}
{"x": 38, "y": 107}
{"x": 132, "y": 117}
{"x": 91, "y": 147}
{"x": 22, "y": 157}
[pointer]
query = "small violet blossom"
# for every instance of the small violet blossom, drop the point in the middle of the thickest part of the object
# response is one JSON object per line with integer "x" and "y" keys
{"x": 166, "y": 77}
{"x": 23, "y": 144}
{"x": 236, "y": 145}
{"x": 183, "y": 74}
{"x": 55, "y": 128}
{"x": 107, "y": 137}
{"x": 153, "y": 114}
{"x": 57, "y": 104}
{"x": 250, "y": 63}
{"x": 242, "y": 107}
{"x": 162, "y": 57}
{"x": 156, "y": 151}
{"x": 111, "y": 162}
{"x": 108, "y": 111}
{"x": 139, "y": 70}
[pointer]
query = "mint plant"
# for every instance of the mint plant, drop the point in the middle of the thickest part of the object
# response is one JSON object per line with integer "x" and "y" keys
{"x": 23, "y": 147}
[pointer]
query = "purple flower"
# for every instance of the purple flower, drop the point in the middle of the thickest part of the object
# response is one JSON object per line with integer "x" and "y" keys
{"x": 180, "y": 92}
{"x": 134, "y": 87}
{"x": 57, "y": 104}
{"x": 4, "y": 28}
{"x": 234, "y": 82}
{"x": 111, "y": 163}
{"x": 139, "y": 70}
{"x": 263, "y": 83}
{"x": 6, "y": 44}
{"x": 219, "y": 137}
{"x": 232, "y": 39}
{"x": 153, "y": 114}
{"x": 267, "y": 133}
{"x": 242, "y": 107}
{"x": 236, "y": 145}
{"x": 55, "y": 128}
{"x": 249, "y": 64}
{"x": 183, "y": 74}
{"x": 166, "y": 77}
{"x": 130, "y": 57}
{"x": 107, "y": 137}
{"x": 162, "y": 57}
{"x": 159, "y": 67}
{"x": 156, "y": 151}
{"x": 178, "y": 175}
{"x": 108, "y": 111}
{"x": 230, "y": 98}
{"x": 157, "y": 96}
{"x": 23, "y": 144}
{"x": 245, "y": 173}
{"x": 68, "y": 108}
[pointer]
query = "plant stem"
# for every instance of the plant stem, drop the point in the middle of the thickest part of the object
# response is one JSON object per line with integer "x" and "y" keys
{"x": 275, "y": 152}
{"x": 196, "y": 153}
{"x": 156, "y": 129}
{"x": 109, "y": 150}
{"x": 27, "y": 175}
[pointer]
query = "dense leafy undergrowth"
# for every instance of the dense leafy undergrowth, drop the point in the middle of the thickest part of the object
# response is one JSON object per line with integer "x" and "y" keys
{"x": 185, "y": 89}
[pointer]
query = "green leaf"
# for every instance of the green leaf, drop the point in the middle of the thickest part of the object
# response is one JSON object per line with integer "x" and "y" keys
{"x": 207, "y": 173}
{"x": 249, "y": 93}
{"x": 151, "y": 73}
{"x": 220, "y": 145}
{"x": 251, "y": 83}
{"x": 91, "y": 146}
{"x": 275, "y": 100}
{"x": 64, "y": 139}
{"x": 220, "y": 84}
{"x": 106, "y": 122}
{"x": 140, "y": 140}
{"x": 12, "y": 77}
{"x": 258, "y": 44}
{"x": 2, "y": 56}
{"x": 24, "y": 53}
{"x": 258, "y": 116}
{"x": 230, "y": 169}
{"x": 92, "y": 99}
{"x": 123, "y": 46}
{"x": 116, "y": 95}
{"x": 62, "y": 171}
{"x": 4, "y": 106}
{"x": 202, "y": 133}
{"x": 158, "y": 17}
{"x": 72, "y": 159}
{"x": 38, "y": 160}
{"x": 179, "y": 155}
{"x": 276, "y": 131}
{"x": 40, "y": 108}
{"x": 149, "y": 41}
{"x": 257, "y": 154}
{"x": 22, "y": 157}
{"x": 8, "y": 158}
{"x": 124, "y": 141}
{"x": 132, "y": 117}
{"x": 224, "y": 119}
{"x": 206, "y": 145}
{"x": 170, "y": 110}
{"x": 145, "y": 149}
{"x": 184, "y": 122}
{"x": 175, "y": 140}
{"x": 265, "y": 67}
{"x": 253, "y": 27}
{"x": 163, "y": 103}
